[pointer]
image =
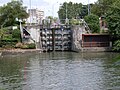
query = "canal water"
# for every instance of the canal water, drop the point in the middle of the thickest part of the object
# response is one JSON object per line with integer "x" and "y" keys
{"x": 60, "y": 71}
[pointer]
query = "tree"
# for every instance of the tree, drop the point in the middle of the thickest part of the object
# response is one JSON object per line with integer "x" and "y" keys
{"x": 93, "y": 23}
{"x": 84, "y": 11}
{"x": 101, "y": 7}
{"x": 11, "y": 11}
{"x": 16, "y": 34}
{"x": 49, "y": 20}
{"x": 74, "y": 10}
{"x": 113, "y": 21}
{"x": 75, "y": 22}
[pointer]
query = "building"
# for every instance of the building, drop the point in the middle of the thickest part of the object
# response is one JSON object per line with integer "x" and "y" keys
{"x": 35, "y": 16}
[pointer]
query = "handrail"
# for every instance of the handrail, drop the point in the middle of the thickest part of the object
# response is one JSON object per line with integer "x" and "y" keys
{"x": 95, "y": 44}
{"x": 86, "y": 25}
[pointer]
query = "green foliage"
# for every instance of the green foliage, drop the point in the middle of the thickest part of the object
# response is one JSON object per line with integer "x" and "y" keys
{"x": 101, "y": 7}
{"x": 116, "y": 59}
{"x": 116, "y": 46}
{"x": 25, "y": 46}
{"x": 28, "y": 46}
{"x": 8, "y": 34}
{"x": 93, "y": 23}
{"x": 75, "y": 22}
{"x": 31, "y": 46}
{"x": 113, "y": 20}
{"x": 74, "y": 10}
{"x": 8, "y": 43}
{"x": 9, "y": 38}
{"x": 2, "y": 89}
{"x": 11, "y": 11}
{"x": 50, "y": 20}
{"x": 1, "y": 34}
{"x": 16, "y": 34}
{"x": 84, "y": 11}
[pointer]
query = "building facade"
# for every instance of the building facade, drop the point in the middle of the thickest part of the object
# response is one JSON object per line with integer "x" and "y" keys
{"x": 35, "y": 16}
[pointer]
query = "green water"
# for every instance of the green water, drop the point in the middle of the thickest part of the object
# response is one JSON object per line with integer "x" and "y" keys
{"x": 60, "y": 71}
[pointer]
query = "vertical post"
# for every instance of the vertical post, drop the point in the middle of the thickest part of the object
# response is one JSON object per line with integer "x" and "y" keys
{"x": 88, "y": 7}
{"x": 66, "y": 12}
{"x": 21, "y": 30}
{"x": 36, "y": 37}
{"x": 53, "y": 38}
{"x": 30, "y": 13}
{"x": 62, "y": 39}
{"x": 110, "y": 44}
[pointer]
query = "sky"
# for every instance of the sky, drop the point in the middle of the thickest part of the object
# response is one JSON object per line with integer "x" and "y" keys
{"x": 50, "y": 7}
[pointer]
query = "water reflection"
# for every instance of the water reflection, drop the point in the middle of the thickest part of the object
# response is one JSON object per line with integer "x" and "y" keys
{"x": 60, "y": 71}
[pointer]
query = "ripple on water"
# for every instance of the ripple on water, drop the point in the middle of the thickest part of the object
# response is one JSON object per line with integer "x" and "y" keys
{"x": 60, "y": 71}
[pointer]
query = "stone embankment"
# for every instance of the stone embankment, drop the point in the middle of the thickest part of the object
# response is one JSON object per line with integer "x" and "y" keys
{"x": 19, "y": 51}
{"x": 96, "y": 49}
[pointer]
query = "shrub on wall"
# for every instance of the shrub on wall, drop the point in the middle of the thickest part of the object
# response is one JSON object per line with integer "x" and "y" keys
{"x": 93, "y": 23}
{"x": 116, "y": 45}
{"x": 25, "y": 46}
{"x": 16, "y": 34}
{"x": 31, "y": 46}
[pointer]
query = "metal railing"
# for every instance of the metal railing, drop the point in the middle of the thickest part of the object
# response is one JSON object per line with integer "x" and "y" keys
{"x": 95, "y": 44}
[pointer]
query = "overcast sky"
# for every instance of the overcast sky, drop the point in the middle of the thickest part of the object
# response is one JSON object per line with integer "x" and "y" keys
{"x": 50, "y": 7}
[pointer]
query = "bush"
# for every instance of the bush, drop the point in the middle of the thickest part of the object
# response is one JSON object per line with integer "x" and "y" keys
{"x": 7, "y": 43}
{"x": 93, "y": 23}
{"x": 8, "y": 46}
{"x": 24, "y": 47}
{"x": 94, "y": 28}
{"x": 27, "y": 46}
{"x": 75, "y": 22}
{"x": 116, "y": 45}
{"x": 16, "y": 34}
{"x": 8, "y": 38}
{"x": 31, "y": 46}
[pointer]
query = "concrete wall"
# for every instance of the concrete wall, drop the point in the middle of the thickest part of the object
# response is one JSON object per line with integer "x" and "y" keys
{"x": 35, "y": 34}
{"x": 35, "y": 37}
{"x": 77, "y": 32}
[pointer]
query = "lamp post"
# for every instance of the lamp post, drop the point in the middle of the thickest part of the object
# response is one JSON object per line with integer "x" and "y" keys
{"x": 66, "y": 13}
{"x": 66, "y": 10}
{"x": 30, "y": 11}
{"x": 21, "y": 30}
{"x": 88, "y": 7}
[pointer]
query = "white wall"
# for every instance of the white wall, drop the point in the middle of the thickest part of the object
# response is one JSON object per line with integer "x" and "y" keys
{"x": 35, "y": 34}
